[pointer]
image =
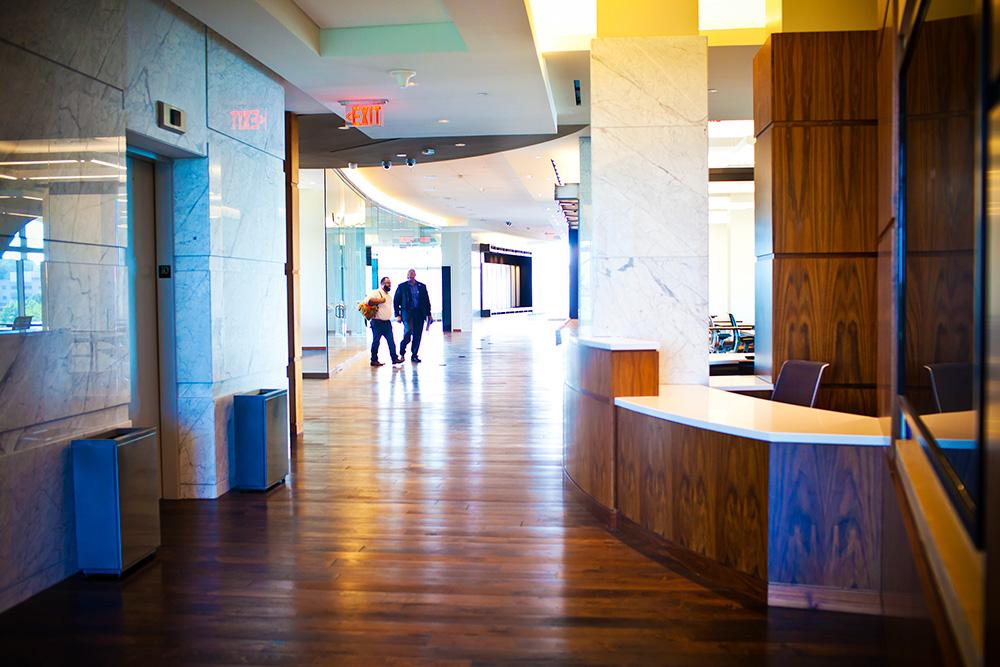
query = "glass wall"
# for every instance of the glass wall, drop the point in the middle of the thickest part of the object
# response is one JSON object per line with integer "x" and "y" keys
{"x": 364, "y": 241}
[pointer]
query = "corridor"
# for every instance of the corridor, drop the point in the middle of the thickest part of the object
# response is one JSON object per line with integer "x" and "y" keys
{"x": 426, "y": 522}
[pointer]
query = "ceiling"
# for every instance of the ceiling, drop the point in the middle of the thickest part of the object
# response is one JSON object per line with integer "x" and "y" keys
{"x": 324, "y": 145}
{"x": 496, "y": 84}
{"x": 502, "y": 98}
{"x": 484, "y": 193}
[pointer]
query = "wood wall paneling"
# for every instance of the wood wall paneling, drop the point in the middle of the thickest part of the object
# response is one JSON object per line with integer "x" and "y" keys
{"x": 762, "y": 88}
{"x": 594, "y": 377}
{"x": 763, "y": 187}
{"x": 938, "y": 82}
{"x": 293, "y": 263}
{"x": 824, "y": 188}
{"x": 763, "y": 363}
{"x": 589, "y": 449}
{"x": 823, "y": 76}
{"x": 824, "y": 310}
{"x": 817, "y": 210}
{"x": 939, "y": 216}
{"x": 703, "y": 491}
{"x": 885, "y": 321}
{"x": 825, "y": 516}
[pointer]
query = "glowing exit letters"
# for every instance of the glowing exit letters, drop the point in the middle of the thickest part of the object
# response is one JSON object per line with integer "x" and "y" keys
{"x": 248, "y": 119}
{"x": 364, "y": 115}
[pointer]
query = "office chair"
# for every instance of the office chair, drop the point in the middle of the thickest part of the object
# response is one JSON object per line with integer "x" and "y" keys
{"x": 798, "y": 382}
{"x": 746, "y": 340}
{"x": 951, "y": 384}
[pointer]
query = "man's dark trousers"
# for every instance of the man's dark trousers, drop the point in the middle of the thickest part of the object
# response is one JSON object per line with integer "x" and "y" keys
{"x": 382, "y": 329}
{"x": 413, "y": 329}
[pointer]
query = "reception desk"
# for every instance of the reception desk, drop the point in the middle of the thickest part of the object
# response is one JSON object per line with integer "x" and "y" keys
{"x": 777, "y": 504}
{"x": 597, "y": 371}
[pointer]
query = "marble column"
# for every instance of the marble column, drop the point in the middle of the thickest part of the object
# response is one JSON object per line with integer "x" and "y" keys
{"x": 648, "y": 254}
{"x": 456, "y": 252}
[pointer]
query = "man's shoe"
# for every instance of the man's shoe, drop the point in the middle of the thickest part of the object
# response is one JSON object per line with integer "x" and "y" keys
{"x": 398, "y": 361}
{"x": 402, "y": 357}
{"x": 414, "y": 360}
{"x": 377, "y": 363}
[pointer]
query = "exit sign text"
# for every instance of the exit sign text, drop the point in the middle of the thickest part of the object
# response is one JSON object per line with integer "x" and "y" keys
{"x": 364, "y": 115}
{"x": 248, "y": 119}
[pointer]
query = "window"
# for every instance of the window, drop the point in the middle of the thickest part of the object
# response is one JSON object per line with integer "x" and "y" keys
{"x": 21, "y": 276}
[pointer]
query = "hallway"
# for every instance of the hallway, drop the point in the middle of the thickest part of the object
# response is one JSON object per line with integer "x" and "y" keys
{"x": 425, "y": 522}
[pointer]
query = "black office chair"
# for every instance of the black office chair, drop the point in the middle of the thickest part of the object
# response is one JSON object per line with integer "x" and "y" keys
{"x": 951, "y": 384}
{"x": 798, "y": 382}
{"x": 740, "y": 340}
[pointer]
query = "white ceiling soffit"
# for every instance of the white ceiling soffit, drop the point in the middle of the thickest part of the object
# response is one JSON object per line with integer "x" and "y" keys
{"x": 495, "y": 55}
{"x": 483, "y": 193}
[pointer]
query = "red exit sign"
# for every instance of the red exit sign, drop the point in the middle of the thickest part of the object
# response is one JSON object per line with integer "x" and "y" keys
{"x": 248, "y": 119}
{"x": 364, "y": 115}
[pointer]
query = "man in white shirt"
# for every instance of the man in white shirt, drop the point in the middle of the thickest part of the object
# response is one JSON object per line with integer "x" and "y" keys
{"x": 382, "y": 322}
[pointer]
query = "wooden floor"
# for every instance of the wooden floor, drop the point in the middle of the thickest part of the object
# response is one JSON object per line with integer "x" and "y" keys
{"x": 426, "y": 523}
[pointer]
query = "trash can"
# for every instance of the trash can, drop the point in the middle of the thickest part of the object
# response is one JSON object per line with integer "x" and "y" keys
{"x": 116, "y": 484}
{"x": 261, "y": 438}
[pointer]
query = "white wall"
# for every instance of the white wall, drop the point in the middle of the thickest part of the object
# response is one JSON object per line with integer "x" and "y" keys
{"x": 312, "y": 239}
{"x": 731, "y": 267}
{"x": 550, "y": 278}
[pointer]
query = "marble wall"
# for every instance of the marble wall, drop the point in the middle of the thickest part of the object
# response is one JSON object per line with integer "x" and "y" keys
{"x": 648, "y": 259}
{"x": 88, "y": 73}
{"x": 229, "y": 225}
{"x": 70, "y": 377}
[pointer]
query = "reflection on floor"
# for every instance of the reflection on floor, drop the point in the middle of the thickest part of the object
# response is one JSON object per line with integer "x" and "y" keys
{"x": 426, "y": 520}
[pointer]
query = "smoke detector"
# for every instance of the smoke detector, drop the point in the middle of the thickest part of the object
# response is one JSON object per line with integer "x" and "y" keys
{"x": 404, "y": 77}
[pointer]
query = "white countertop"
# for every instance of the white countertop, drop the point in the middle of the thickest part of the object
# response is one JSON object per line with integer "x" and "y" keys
{"x": 729, "y": 357}
{"x": 756, "y": 418}
{"x": 739, "y": 383}
{"x": 952, "y": 430}
{"x": 617, "y": 344}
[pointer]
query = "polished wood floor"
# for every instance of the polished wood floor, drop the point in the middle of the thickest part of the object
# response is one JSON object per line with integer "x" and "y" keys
{"x": 426, "y": 523}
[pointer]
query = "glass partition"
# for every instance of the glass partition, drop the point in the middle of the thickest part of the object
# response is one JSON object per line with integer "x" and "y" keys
{"x": 940, "y": 250}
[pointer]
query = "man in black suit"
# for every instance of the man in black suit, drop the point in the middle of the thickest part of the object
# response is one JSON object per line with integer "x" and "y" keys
{"x": 412, "y": 306}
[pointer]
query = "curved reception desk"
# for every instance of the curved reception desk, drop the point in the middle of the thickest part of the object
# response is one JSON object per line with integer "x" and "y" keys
{"x": 776, "y": 504}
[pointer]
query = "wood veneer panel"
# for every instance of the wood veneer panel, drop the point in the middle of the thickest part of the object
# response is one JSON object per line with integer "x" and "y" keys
{"x": 853, "y": 399}
{"x": 822, "y": 76}
{"x": 763, "y": 182}
{"x": 763, "y": 363}
{"x": 824, "y": 310}
{"x": 885, "y": 363}
{"x": 293, "y": 263}
{"x": 825, "y": 515}
{"x": 888, "y": 126}
{"x": 763, "y": 92}
{"x": 824, "y": 198}
{"x": 940, "y": 170}
{"x": 635, "y": 373}
{"x": 939, "y": 304}
{"x": 938, "y": 80}
{"x": 588, "y": 451}
{"x": 703, "y": 491}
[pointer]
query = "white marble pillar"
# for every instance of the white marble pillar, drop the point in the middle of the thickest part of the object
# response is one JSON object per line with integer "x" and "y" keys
{"x": 649, "y": 234}
{"x": 456, "y": 252}
{"x": 586, "y": 274}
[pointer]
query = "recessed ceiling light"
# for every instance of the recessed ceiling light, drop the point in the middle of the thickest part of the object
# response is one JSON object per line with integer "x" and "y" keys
{"x": 482, "y": 94}
{"x": 400, "y": 154}
{"x": 443, "y": 121}
{"x": 713, "y": 90}
{"x": 344, "y": 127}
{"x": 460, "y": 145}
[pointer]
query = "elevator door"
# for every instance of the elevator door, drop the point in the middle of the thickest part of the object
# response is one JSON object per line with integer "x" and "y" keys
{"x": 144, "y": 409}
